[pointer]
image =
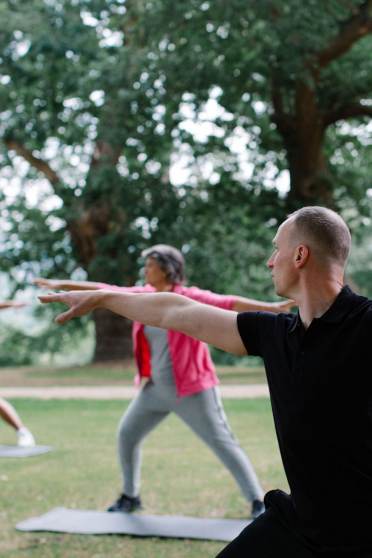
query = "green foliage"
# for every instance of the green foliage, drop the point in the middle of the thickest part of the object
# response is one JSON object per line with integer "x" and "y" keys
{"x": 261, "y": 55}
{"x": 18, "y": 348}
{"x": 99, "y": 100}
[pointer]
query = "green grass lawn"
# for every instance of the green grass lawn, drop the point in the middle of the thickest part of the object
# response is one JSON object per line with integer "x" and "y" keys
{"x": 180, "y": 476}
{"x": 110, "y": 374}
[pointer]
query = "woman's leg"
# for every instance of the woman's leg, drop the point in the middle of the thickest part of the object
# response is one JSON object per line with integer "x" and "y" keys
{"x": 144, "y": 413}
{"x": 10, "y": 415}
{"x": 204, "y": 414}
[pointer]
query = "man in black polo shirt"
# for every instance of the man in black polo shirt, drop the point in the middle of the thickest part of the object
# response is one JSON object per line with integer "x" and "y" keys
{"x": 320, "y": 387}
{"x": 318, "y": 370}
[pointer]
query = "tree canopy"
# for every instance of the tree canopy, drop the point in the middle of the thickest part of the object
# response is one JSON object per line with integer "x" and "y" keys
{"x": 198, "y": 123}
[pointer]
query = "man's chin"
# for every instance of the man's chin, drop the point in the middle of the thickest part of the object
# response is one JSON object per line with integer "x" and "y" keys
{"x": 280, "y": 292}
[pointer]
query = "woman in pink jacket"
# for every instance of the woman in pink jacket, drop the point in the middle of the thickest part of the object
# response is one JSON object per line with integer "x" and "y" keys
{"x": 180, "y": 378}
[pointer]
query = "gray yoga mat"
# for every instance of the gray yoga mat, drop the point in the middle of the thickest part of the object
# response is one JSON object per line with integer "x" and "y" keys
{"x": 86, "y": 522}
{"x": 17, "y": 451}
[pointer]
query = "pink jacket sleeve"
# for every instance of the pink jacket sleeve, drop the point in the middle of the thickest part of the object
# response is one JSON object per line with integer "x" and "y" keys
{"x": 135, "y": 289}
{"x": 208, "y": 297}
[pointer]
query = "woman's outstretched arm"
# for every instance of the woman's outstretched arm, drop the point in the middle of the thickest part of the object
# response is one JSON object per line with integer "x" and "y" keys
{"x": 11, "y": 304}
{"x": 66, "y": 284}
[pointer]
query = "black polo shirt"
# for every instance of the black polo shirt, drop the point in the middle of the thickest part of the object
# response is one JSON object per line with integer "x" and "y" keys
{"x": 320, "y": 382}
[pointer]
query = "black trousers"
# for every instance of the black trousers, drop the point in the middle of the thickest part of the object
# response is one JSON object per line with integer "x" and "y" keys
{"x": 267, "y": 537}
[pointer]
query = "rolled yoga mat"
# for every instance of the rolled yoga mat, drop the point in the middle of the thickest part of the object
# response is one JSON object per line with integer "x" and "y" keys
{"x": 18, "y": 451}
{"x": 86, "y": 522}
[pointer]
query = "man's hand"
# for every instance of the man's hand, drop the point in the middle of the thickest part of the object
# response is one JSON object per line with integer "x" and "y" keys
{"x": 80, "y": 303}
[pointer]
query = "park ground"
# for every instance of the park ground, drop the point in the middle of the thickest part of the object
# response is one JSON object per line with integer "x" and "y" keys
{"x": 180, "y": 475}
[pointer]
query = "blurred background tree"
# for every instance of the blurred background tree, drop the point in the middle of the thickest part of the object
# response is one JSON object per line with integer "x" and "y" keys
{"x": 196, "y": 123}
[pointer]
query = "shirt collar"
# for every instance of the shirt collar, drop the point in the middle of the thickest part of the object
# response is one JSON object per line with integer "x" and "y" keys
{"x": 335, "y": 313}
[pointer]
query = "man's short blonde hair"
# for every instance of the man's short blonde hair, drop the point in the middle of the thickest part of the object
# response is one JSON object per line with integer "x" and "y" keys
{"x": 325, "y": 230}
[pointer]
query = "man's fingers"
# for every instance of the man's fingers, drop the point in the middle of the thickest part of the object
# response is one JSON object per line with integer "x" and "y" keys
{"x": 64, "y": 317}
{"x": 74, "y": 310}
{"x": 78, "y": 305}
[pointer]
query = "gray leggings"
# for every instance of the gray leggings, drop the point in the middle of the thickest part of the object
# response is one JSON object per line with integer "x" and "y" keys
{"x": 202, "y": 412}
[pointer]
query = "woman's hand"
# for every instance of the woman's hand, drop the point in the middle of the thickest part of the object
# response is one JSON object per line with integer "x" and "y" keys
{"x": 12, "y": 304}
{"x": 66, "y": 284}
{"x": 242, "y": 304}
{"x": 283, "y": 306}
{"x": 47, "y": 283}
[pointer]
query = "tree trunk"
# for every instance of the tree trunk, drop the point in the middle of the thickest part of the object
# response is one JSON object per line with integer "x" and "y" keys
{"x": 309, "y": 175}
{"x": 94, "y": 222}
{"x": 113, "y": 337}
{"x": 112, "y": 333}
{"x": 303, "y": 132}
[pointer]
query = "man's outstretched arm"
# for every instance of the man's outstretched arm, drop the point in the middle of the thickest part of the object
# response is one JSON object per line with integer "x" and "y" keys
{"x": 166, "y": 310}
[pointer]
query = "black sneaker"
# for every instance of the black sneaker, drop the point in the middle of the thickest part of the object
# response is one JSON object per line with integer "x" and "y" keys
{"x": 126, "y": 504}
{"x": 258, "y": 507}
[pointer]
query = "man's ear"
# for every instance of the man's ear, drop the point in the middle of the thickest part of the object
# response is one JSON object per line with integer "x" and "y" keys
{"x": 301, "y": 255}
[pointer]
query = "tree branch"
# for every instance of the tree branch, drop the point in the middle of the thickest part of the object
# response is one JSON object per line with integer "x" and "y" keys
{"x": 104, "y": 153}
{"x": 354, "y": 29}
{"x": 280, "y": 117}
{"x": 35, "y": 162}
{"x": 352, "y": 110}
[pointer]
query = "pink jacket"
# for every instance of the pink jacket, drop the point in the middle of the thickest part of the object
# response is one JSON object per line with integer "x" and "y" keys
{"x": 192, "y": 364}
